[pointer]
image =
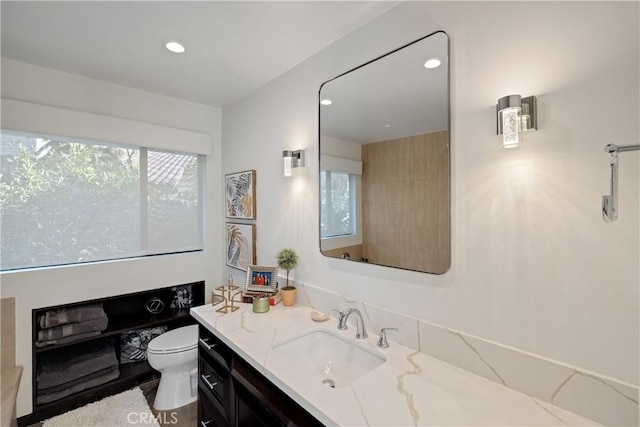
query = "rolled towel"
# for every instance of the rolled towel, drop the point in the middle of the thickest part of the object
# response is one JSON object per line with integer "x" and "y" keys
{"x": 69, "y": 329}
{"x": 80, "y": 313}
{"x": 95, "y": 381}
{"x": 59, "y": 366}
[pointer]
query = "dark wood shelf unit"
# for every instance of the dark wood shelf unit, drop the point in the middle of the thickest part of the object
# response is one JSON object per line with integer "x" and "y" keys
{"x": 125, "y": 312}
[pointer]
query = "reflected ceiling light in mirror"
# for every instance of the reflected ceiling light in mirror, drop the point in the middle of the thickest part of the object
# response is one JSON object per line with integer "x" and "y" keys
{"x": 432, "y": 63}
{"x": 514, "y": 116}
{"x": 292, "y": 159}
{"x": 175, "y": 47}
{"x": 326, "y": 101}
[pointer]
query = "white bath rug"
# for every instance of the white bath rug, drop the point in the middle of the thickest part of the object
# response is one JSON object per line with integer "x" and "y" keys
{"x": 129, "y": 408}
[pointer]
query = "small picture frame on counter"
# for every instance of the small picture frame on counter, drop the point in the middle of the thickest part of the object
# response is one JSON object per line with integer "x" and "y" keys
{"x": 261, "y": 278}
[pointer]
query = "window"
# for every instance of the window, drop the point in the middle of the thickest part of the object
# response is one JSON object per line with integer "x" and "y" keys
{"x": 66, "y": 201}
{"x": 337, "y": 199}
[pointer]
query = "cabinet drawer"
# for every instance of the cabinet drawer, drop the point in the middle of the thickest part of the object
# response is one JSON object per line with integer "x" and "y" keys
{"x": 213, "y": 379}
{"x": 210, "y": 413}
{"x": 211, "y": 345}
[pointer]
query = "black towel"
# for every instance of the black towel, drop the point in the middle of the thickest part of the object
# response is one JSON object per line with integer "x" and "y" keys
{"x": 66, "y": 365}
{"x": 70, "y": 329}
{"x": 61, "y": 316}
{"x": 94, "y": 381}
{"x": 65, "y": 340}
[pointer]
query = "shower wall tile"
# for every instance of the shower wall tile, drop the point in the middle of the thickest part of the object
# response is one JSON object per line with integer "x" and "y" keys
{"x": 604, "y": 400}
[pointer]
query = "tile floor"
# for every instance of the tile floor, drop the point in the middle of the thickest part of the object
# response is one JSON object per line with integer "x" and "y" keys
{"x": 186, "y": 416}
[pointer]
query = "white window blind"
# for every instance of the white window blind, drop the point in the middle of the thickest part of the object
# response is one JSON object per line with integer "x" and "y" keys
{"x": 66, "y": 201}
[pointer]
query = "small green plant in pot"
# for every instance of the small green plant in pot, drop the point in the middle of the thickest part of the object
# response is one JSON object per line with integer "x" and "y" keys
{"x": 287, "y": 260}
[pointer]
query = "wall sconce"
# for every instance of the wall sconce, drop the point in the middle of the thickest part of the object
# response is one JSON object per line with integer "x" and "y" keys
{"x": 515, "y": 115}
{"x": 292, "y": 159}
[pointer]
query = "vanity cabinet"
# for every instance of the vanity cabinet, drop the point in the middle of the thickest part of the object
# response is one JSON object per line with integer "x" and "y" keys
{"x": 232, "y": 393}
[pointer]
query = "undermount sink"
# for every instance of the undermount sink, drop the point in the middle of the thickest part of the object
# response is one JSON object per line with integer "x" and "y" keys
{"x": 338, "y": 360}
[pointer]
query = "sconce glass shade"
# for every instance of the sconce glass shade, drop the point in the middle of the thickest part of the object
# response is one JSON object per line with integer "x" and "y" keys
{"x": 511, "y": 126}
{"x": 510, "y": 119}
{"x": 292, "y": 159}
{"x": 515, "y": 115}
{"x": 287, "y": 156}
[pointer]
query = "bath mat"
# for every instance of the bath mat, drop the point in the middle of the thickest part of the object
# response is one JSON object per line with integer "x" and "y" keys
{"x": 129, "y": 408}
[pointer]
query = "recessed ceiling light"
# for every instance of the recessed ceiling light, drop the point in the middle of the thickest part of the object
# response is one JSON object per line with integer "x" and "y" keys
{"x": 432, "y": 63}
{"x": 326, "y": 101}
{"x": 175, "y": 47}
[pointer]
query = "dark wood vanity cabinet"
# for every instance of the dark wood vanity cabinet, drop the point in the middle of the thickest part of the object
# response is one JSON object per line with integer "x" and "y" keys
{"x": 232, "y": 393}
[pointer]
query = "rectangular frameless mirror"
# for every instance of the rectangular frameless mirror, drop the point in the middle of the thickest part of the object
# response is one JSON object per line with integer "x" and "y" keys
{"x": 384, "y": 160}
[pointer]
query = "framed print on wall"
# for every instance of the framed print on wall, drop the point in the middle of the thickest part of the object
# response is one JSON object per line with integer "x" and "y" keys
{"x": 241, "y": 194}
{"x": 241, "y": 245}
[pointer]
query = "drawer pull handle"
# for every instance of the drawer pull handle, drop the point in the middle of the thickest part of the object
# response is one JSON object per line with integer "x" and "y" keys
{"x": 205, "y": 423}
{"x": 209, "y": 384}
{"x": 206, "y": 344}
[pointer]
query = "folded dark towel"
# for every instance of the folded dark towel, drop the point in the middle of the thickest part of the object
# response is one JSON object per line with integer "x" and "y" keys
{"x": 69, "y": 329}
{"x": 65, "y": 340}
{"x": 76, "y": 381}
{"x": 97, "y": 380}
{"x": 62, "y": 366}
{"x": 79, "y": 313}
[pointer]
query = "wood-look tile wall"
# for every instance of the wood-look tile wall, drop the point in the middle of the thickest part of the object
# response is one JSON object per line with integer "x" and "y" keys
{"x": 405, "y": 202}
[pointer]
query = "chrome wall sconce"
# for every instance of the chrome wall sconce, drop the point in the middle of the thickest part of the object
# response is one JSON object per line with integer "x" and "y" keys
{"x": 292, "y": 159}
{"x": 515, "y": 115}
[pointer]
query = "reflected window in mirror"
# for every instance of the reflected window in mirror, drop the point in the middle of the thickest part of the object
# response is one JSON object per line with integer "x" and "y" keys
{"x": 389, "y": 119}
{"x": 338, "y": 204}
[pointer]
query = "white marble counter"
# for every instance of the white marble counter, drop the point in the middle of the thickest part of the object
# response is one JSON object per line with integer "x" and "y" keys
{"x": 411, "y": 388}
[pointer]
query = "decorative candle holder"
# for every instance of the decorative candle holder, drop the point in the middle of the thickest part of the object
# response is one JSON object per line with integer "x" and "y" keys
{"x": 228, "y": 294}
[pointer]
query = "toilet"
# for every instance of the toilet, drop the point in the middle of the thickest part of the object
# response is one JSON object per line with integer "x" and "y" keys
{"x": 175, "y": 355}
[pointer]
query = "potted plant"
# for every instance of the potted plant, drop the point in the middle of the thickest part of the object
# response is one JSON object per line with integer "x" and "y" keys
{"x": 287, "y": 260}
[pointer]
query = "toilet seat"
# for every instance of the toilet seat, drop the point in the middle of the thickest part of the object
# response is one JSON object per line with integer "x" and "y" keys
{"x": 175, "y": 341}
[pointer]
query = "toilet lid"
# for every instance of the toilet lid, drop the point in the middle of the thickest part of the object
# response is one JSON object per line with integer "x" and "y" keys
{"x": 176, "y": 340}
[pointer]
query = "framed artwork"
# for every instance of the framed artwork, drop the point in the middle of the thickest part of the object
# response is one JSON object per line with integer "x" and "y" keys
{"x": 261, "y": 278}
{"x": 133, "y": 344}
{"x": 241, "y": 245}
{"x": 241, "y": 194}
{"x": 181, "y": 297}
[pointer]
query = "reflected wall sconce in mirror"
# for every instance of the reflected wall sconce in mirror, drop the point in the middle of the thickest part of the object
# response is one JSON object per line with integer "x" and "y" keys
{"x": 292, "y": 159}
{"x": 515, "y": 115}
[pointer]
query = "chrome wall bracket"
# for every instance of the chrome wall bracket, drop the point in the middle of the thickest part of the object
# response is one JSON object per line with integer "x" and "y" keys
{"x": 610, "y": 202}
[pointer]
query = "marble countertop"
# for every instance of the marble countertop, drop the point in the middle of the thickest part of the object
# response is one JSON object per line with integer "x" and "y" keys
{"x": 410, "y": 388}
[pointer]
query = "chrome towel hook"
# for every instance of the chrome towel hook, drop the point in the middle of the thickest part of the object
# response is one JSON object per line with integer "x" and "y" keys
{"x": 610, "y": 202}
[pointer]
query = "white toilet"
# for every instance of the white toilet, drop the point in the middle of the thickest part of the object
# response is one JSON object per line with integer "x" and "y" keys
{"x": 175, "y": 355}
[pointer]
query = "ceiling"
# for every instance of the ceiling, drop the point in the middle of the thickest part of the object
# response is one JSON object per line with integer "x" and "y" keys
{"x": 233, "y": 47}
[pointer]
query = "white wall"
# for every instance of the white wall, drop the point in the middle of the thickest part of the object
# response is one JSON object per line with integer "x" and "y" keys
{"x": 52, "y": 286}
{"x": 534, "y": 266}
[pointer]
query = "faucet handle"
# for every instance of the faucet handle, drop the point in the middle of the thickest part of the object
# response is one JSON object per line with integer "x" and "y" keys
{"x": 342, "y": 317}
{"x": 382, "y": 342}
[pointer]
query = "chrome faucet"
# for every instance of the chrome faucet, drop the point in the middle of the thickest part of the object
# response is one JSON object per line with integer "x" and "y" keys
{"x": 344, "y": 316}
{"x": 382, "y": 342}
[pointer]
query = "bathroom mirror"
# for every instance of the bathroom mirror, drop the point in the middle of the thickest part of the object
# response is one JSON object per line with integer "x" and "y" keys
{"x": 384, "y": 160}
